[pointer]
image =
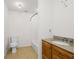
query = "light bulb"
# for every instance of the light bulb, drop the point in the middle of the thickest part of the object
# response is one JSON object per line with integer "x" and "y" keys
{"x": 19, "y": 4}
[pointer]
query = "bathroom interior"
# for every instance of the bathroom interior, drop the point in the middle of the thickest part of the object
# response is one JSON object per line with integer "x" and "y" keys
{"x": 39, "y": 29}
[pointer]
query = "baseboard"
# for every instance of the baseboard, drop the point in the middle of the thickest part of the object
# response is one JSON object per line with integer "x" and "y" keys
{"x": 5, "y": 52}
{"x": 24, "y": 45}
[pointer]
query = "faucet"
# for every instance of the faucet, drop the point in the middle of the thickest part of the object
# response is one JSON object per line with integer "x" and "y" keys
{"x": 65, "y": 40}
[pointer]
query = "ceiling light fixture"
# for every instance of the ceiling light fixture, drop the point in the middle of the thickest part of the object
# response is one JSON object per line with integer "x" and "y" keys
{"x": 19, "y": 4}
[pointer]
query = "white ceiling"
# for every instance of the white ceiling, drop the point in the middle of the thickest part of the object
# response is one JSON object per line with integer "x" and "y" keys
{"x": 27, "y": 5}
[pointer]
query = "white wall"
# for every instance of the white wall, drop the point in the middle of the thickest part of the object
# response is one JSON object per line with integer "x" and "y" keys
{"x": 54, "y": 16}
{"x": 46, "y": 19}
{"x": 45, "y": 8}
{"x": 63, "y": 19}
{"x": 6, "y": 29}
{"x": 22, "y": 29}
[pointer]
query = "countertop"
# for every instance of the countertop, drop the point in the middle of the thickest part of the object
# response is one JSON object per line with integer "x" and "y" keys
{"x": 68, "y": 48}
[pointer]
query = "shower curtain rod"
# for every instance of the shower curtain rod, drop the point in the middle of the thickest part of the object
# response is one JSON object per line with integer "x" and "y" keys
{"x": 33, "y": 15}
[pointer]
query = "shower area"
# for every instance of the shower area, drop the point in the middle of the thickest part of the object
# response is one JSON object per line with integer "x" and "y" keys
{"x": 23, "y": 22}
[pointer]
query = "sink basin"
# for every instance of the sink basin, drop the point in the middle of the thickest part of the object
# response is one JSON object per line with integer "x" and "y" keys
{"x": 60, "y": 43}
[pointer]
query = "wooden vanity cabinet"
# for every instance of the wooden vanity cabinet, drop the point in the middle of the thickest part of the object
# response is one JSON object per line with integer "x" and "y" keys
{"x": 46, "y": 50}
{"x": 50, "y": 51}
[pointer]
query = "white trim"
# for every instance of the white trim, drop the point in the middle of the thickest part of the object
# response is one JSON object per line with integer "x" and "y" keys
{"x": 24, "y": 45}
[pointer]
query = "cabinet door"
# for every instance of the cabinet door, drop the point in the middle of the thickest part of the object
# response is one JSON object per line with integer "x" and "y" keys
{"x": 67, "y": 55}
{"x": 56, "y": 57}
{"x": 46, "y": 50}
{"x": 56, "y": 53}
{"x": 44, "y": 57}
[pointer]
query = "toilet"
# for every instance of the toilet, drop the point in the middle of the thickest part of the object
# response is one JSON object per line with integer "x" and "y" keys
{"x": 13, "y": 44}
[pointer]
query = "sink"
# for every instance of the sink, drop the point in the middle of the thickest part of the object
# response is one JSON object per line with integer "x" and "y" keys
{"x": 60, "y": 43}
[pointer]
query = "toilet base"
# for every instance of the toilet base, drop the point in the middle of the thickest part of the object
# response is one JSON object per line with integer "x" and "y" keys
{"x": 14, "y": 50}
